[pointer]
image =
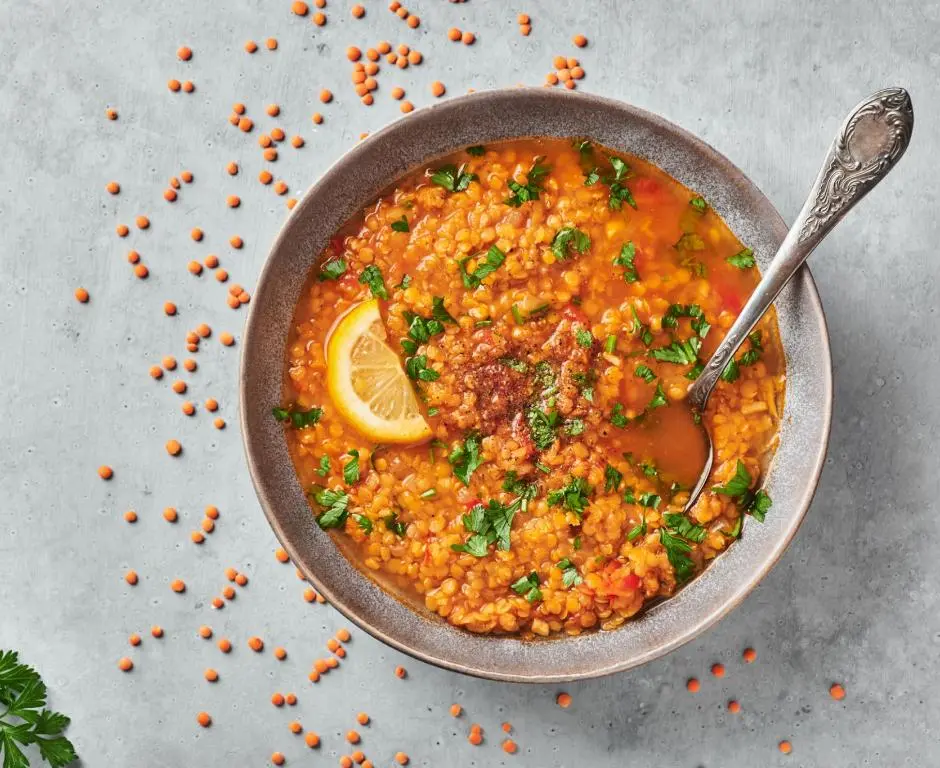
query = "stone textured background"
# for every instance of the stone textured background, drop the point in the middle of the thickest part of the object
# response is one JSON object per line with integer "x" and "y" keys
{"x": 767, "y": 83}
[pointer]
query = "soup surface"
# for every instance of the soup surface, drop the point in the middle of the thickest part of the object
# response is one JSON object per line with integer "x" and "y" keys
{"x": 485, "y": 380}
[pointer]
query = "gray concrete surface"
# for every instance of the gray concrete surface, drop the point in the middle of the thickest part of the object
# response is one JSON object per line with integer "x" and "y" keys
{"x": 855, "y": 598}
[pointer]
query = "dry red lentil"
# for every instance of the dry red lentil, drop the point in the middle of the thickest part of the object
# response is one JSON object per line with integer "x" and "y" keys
{"x": 125, "y": 664}
{"x": 204, "y": 719}
{"x": 81, "y": 295}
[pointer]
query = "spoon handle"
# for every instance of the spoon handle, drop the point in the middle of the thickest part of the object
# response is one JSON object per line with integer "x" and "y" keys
{"x": 869, "y": 143}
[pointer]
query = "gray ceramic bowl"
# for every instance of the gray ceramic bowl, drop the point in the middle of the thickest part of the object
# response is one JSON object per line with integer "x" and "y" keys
{"x": 355, "y": 180}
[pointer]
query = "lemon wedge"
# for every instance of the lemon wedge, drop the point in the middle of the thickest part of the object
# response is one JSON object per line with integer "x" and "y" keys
{"x": 367, "y": 383}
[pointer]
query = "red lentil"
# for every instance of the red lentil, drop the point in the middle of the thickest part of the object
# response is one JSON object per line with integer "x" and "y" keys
{"x": 749, "y": 655}
{"x": 734, "y": 707}
{"x": 256, "y": 644}
{"x": 156, "y": 631}
{"x": 785, "y": 746}
{"x": 456, "y": 710}
{"x": 170, "y": 515}
{"x": 225, "y": 645}
{"x": 204, "y": 719}
{"x": 134, "y": 639}
{"x": 277, "y": 699}
{"x": 401, "y": 672}
{"x": 311, "y": 739}
{"x": 837, "y": 691}
{"x": 277, "y": 758}
{"x": 718, "y": 670}
{"x": 130, "y": 516}
{"x": 105, "y": 472}
{"x": 125, "y": 664}
{"x": 81, "y": 295}
{"x": 131, "y": 577}
{"x": 211, "y": 675}
{"x": 178, "y": 586}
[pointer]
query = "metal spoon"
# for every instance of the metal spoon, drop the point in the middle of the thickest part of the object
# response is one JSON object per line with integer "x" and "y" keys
{"x": 869, "y": 143}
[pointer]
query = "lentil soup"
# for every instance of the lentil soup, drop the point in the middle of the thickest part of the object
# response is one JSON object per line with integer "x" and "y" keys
{"x": 481, "y": 378}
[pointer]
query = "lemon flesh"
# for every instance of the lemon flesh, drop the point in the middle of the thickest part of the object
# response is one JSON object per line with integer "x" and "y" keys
{"x": 367, "y": 383}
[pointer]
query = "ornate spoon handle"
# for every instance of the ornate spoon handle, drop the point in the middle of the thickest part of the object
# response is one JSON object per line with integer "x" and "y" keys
{"x": 869, "y": 143}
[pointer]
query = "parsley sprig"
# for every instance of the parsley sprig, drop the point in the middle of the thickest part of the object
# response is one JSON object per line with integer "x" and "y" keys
{"x": 528, "y": 585}
{"x": 755, "y": 503}
{"x": 297, "y": 419}
{"x": 568, "y": 241}
{"x": 523, "y": 193}
{"x": 452, "y": 178}
{"x": 24, "y": 720}
{"x": 335, "y": 505}
{"x": 616, "y": 180}
{"x": 465, "y": 458}
{"x": 575, "y": 496}
{"x": 492, "y": 261}
{"x": 626, "y": 259}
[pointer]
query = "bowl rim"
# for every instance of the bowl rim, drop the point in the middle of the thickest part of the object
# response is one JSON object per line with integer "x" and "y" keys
{"x": 254, "y": 333}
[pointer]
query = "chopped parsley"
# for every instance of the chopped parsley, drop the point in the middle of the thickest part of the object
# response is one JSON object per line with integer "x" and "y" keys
{"x": 684, "y": 527}
{"x": 694, "y": 311}
{"x": 733, "y": 370}
{"x": 364, "y": 523}
{"x": 490, "y": 263}
{"x": 628, "y": 496}
{"x": 742, "y": 259}
{"x": 612, "y": 479}
{"x": 574, "y": 427}
{"x": 528, "y": 586}
{"x": 542, "y": 468}
{"x": 570, "y": 240}
{"x": 544, "y": 377}
{"x": 756, "y": 503}
{"x": 659, "y": 399}
{"x": 677, "y": 550}
{"x": 698, "y": 204}
{"x": 519, "y": 366}
{"x": 569, "y": 573}
{"x": 487, "y": 525}
{"x": 324, "y": 467}
{"x": 452, "y": 178}
{"x": 626, "y": 259}
{"x": 401, "y": 225}
{"x": 297, "y": 419}
{"x": 417, "y": 369}
{"x": 420, "y": 330}
{"x": 335, "y": 506}
{"x": 576, "y": 544}
{"x": 584, "y": 338}
{"x": 395, "y": 525}
{"x": 332, "y": 270}
{"x": 641, "y": 330}
{"x": 439, "y": 312}
{"x": 512, "y": 483}
{"x": 574, "y": 497}
{"x": 430, "y": 493}
{"x": 648, "y": 499}
{"x": 523, "y": 193}
{"x": 585, "y": 382}
{"x": 645, "y": 373}
{"x": 584, "y": 146}
{"x": 648, "y": 468}
{"x": 679, "y": 352}
{"x": 542, "y": 426}
{"x": 465, "y": 459}
{"x": 476, "y": 150}
{"x": 637, "y": 530}
{"x": 351, "y": 468}
{"x": 617, "y": 417}
{"x": 433, "y": 411}
{"x": 591, "y": 177}
{"x": 536, "y": 312}
{"x": 372, "y": 276}
{"x": 517, "y": 315}
{"x": 405, "y": 282}
{"x": 616, "y": 181}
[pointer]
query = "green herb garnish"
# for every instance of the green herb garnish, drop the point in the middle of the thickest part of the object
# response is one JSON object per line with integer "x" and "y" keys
{"x": 684, "y": 527}
{"x": 542, "y": 426}
{"x": 637, "y": 530}
{"x": 677, "y": 550}
{"x": 742, "y": 259}
{"x": 439, "y": 312}
{"x": 490, "y": 263}
{"x": 364, "y": 523}
{"x": 372, "y": 276}
{"x": 351, "y": 467}
{"x": 679, "y": 352}
{"x": 297, "y": 419}
{"x": 476, "y": 151}
{"x": 626, "y": 259}
{"x": 401, "y": 225}
{"x": 523, "y": 193}
{"x": 519, "y": 366}
{"x": 698, "y": 204}
{"x": 465, "y": 459}
{"x": 584, "y": 338}
{"x": 324, "y": 467}
{"x": 574, "y": 427}
{"x": 659, "y": 399}
{"x": 452, "y": 178}
{"x": 528, "y": 586}
{"x": 569, "y": 573}
{"x": 617, "y": 417}
{"x": 332, "y": 270}
{"x": 417, "y": 368}
{"x": 573, "y": 497}
{"x": 612, "y": 479}
{"x": 395, "y": 525}
{"x": 569, "y": 240}
{"x": 335, "y": 507}
{"x": 645, "y": 373}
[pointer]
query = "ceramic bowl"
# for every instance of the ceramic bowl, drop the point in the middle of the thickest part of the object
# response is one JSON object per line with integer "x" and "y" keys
{"x": 358, "y": 178}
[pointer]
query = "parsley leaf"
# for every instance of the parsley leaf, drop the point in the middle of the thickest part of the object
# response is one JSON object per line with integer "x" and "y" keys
{"x": 519, "y": 366}
{"x": 364, "y": 523}
{"x": 659, "y": 399}
{"x": 401, "y": 225}
{"x": 417, "y": 368}
{"x": 465, "y": 459}
{"x": 439, "y": 311}
{"x": 568, "y": 240}
{"x": 523, "y": 193}
{"x": 584, "y": 338}
{"x": 612, "y": 479}
{"x": 512, "y": 483}
{"x": 395, "y": 525}
{"x": 452, "y": 178}
{"x": 643, "y": 330}
{"x": 372, "y": 276}
{"x": 541, "y": 426}
{"x": 574, "y": 427}
{"x": 298, "y": 419}
{"x": 489, "y": 524}
{"x": 742, "y": 259}
{"x": 573, "y": 497}
{"x": 351, "y": 468}
{"x": 569, "y": 573}
{"x": 648, "y": 499}
{"x": 491, "y": 262}
{"x": 324, "y": 466}
{"x": 476, "y": 151}
{"x": 679, "y": 352}
{"x": 738, "y": 485}
{"x": 591, "y": 177}
{"x": 694, "y": 311}
{"x": 610, "y": 344}
{"x": 637, "y": 530}
{"x": 677, "y": 551}
{"x": 684, "y": 527}
{"x": 335, "y": 507}
{"x": 759, "y": 505}
{"x": 24, "y": 694}
{"x": 698, "y": 204}
{"x": 332, "y": 270}
{"x": 617, "y": 417}
{"x": 626, "y": 260}
{"x": 405, "y": 282}
{"x": 528, "y": 586}
{"x": 645, "y": 373}
{"x": 689, "y": 242}
{"x": 619, "y": 192}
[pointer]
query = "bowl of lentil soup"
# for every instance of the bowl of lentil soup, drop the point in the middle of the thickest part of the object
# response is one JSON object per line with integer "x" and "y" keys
{"x": 457, "y": 375}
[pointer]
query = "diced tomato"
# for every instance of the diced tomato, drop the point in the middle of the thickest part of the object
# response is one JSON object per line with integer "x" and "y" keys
{"x": 630, "y": 582}
{"x": 472, "y": 503}
{"x": 730, "y": 300}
